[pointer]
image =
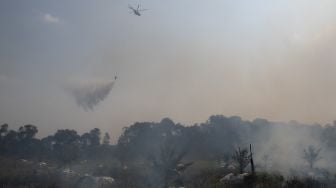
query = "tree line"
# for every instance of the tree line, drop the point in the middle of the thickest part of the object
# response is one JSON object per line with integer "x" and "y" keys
{"x": 217, "y": 138}
{"x": 64, "y": 146}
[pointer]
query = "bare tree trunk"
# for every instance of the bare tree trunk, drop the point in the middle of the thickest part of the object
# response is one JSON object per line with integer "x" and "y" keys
{"x": 251, "y": 159}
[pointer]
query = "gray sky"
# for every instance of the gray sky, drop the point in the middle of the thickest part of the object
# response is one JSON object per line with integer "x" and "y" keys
{"x": 184, "y": 59}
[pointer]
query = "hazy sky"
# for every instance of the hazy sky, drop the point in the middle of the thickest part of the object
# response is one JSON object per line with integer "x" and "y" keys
{"x": 184, "y": 59}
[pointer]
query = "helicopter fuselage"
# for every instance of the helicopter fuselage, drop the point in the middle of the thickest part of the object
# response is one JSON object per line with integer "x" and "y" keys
{"x": 136, "y": 12}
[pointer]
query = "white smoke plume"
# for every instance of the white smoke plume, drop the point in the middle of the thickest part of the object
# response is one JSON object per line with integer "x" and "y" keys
{"x": 89, "y": 94}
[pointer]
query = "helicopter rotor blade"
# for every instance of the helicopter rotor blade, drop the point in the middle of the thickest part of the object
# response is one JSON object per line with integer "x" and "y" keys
{"x": 130, "y": 7}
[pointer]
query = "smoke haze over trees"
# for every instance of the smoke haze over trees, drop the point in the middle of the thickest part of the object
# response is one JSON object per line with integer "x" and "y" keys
{"x": 284, "y": 143}
{"x": 172, "y": 154}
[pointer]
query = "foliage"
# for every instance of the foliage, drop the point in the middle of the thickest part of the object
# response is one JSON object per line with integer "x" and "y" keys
{"x": 159, "y": 154}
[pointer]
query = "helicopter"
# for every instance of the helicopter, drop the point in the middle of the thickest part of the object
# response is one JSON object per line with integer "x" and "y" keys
{"x": 137, "y": 10}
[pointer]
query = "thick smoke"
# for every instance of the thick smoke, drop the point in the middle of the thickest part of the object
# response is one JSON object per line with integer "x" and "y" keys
{"x": 90, "y": 93}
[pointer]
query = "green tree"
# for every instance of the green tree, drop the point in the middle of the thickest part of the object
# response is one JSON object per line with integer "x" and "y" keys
{"x": 66, "y": 145}
{"x": 3, "y": 130}
{"x": 106, "y": 139}
{"x": 95, "y": 137}
{"x": 27, "y": 132}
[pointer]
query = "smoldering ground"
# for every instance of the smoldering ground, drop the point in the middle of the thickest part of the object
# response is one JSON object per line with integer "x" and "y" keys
{"x": 89, "y": 93}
